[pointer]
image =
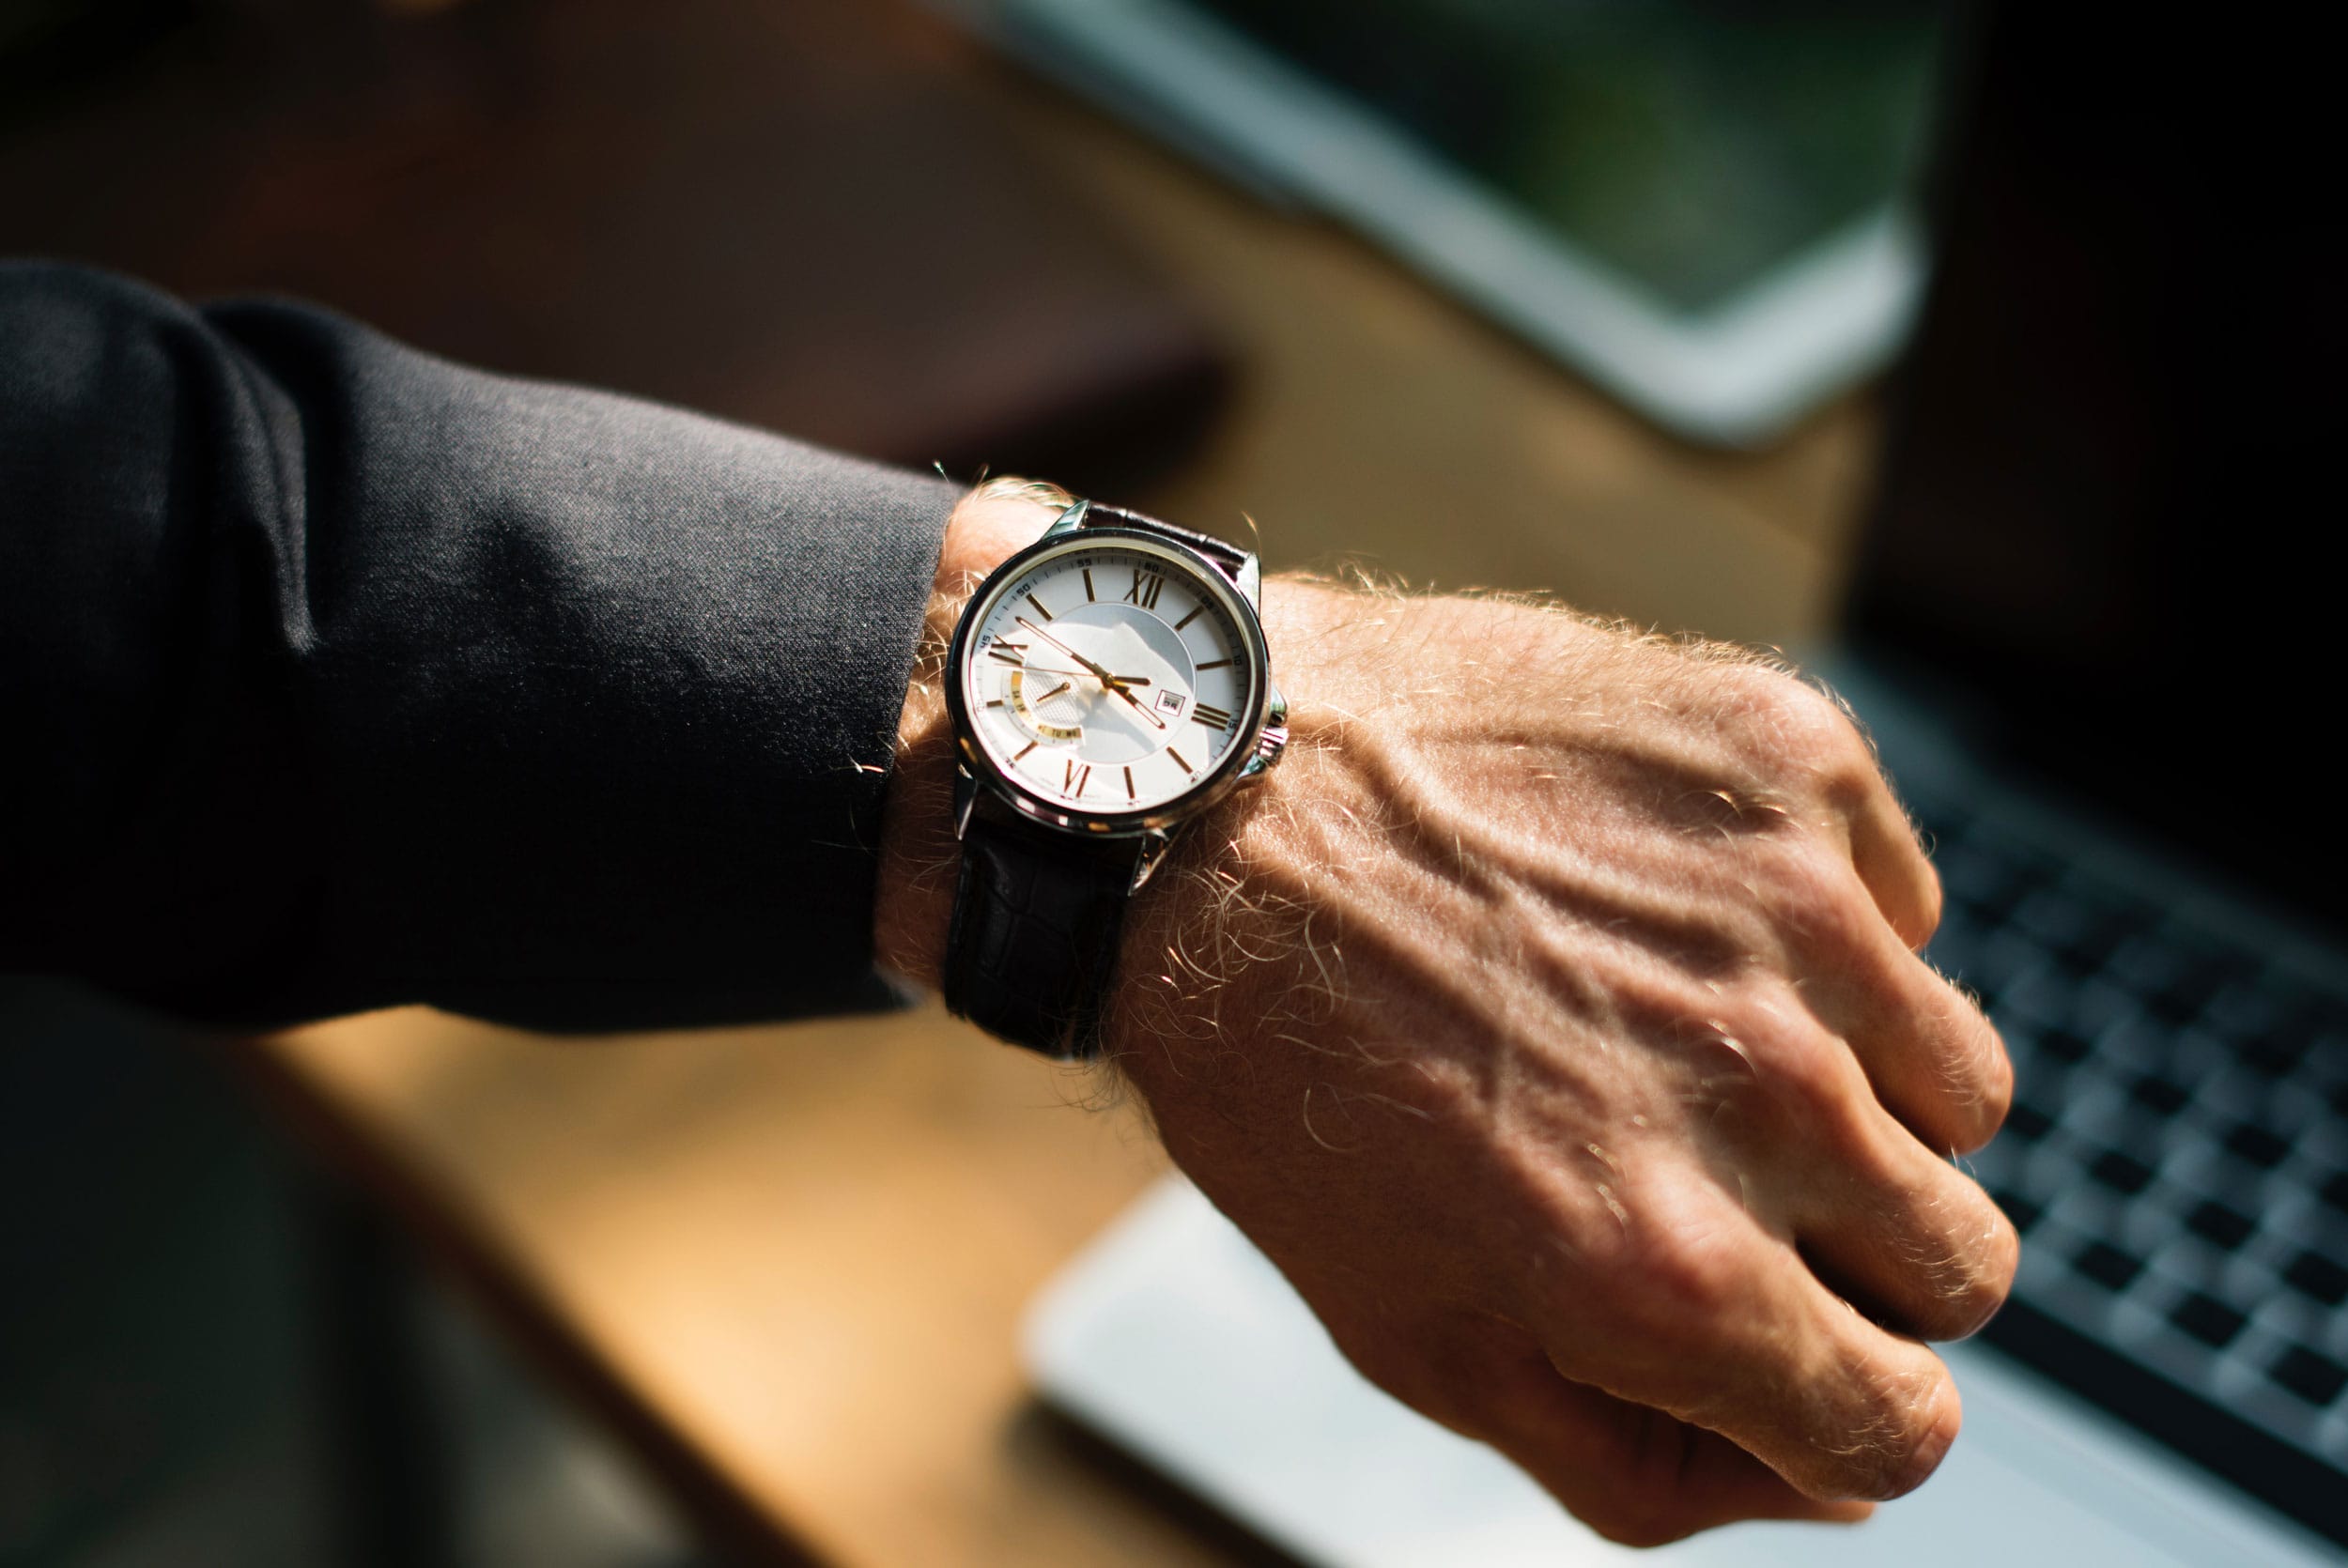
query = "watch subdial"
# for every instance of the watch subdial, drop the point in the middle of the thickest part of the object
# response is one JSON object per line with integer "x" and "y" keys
{"x": 1049, "y": 707}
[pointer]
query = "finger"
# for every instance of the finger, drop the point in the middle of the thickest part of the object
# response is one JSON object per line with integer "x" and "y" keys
{"x": 1725, "y": 1327}
{"x": 1905, "y": 1236}
{"x": 1932, "y": 1057}
{"x": 1633, "y": 1473}
{"x": 1893, "y": 864}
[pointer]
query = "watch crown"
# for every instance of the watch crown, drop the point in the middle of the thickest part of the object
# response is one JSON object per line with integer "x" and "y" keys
{"x": 1270, "y": 741}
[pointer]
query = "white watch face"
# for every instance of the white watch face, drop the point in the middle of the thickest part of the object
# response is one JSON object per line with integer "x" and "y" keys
{"x": 1108, "y": 676}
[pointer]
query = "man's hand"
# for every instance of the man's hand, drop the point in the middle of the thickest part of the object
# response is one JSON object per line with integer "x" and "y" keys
{"x": 1551, "y": 1017}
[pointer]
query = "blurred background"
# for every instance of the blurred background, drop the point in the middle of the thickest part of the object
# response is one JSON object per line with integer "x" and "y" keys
{"x": 1592, "y": 302}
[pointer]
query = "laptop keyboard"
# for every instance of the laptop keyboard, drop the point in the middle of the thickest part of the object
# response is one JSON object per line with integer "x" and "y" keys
{"x": 2176, "y": 1162}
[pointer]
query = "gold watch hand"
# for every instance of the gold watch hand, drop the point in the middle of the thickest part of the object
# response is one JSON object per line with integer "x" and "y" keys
{"x": 1136, "y": 703}
{"x": 1091, "y": 668}
{"x": 1098, "y": 673}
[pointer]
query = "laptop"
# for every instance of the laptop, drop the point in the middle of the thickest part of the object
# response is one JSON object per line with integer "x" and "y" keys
{"x": 2091, "y": 629}
{"x": 1704, "y": 214}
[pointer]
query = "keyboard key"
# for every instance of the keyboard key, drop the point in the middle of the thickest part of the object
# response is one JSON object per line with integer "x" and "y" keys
{"x": 2058, "y": 920}
{"x": 2178, "y": 1004}
{"x": 2021, "y": 1210}
{"x": 1976, "y": 888}
{"x": 2215, "y": 1222}
{"x": 2317, "y": 1379}
{"x": 2278, "y": 1048}
{"x": 1998, "y": 968}
{"x": 1987, "y": 883}
{"x": 2081, "y": 929}
{"x": 2107, "y": 1265}
{"x": 2314, "y": 1275}
{"x": 2092, "y": 948}
{"x": 2121, "y": 1172}
{"x": 2335, "y": 1191}
{"x": 2248, "y": 1141}
{"x": 2212, "y": 1322}
{"x": 2027, "y": 1122}
{"x": 2192, "y": 981}
{"x": 2177, "y": 1078}
{"x": 2064, "y": 1045}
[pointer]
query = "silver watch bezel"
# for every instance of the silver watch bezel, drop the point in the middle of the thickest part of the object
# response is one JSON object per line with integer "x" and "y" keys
{"x": 981, "y": 771}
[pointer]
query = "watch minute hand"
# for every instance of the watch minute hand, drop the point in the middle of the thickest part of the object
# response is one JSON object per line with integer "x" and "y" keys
{"x": 1100, "y": 674}
{"x": 1092, "y": 668}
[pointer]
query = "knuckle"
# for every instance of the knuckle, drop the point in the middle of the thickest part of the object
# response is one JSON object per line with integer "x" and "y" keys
{"x": 1810, "y": 894}
{"x": 1933, "y": 900}
{"x": 1949, "y": 1256}
{"x": 1612, "y": 1297}
{"x": 1995, "y": 1258}
{"x": 1920, "y": 1426}
{"x": 1964, "y": 1296}
{"x": 1993, "y": 1079}
{"x": 1805, "y": 876}
{"x": 1975, "y": 1075}
{"x": 1678, "y": 1281}
{"x": 1894, "y": 1427}
{"x": 1803, "y": 729}
{"x": 1807, "y": 1062}
{"x": 1837, "y": 753}
{"x": 1822, "y": 1091}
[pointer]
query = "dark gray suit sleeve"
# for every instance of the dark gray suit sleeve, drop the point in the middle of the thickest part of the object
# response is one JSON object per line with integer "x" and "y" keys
{"x": 334, "y": 676}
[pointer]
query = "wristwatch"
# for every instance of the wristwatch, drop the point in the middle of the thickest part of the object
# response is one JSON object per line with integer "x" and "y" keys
{"x": 1106, "y": 684}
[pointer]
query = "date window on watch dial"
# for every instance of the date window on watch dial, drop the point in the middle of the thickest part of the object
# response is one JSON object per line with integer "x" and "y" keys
{"x": 1170, "y": 700}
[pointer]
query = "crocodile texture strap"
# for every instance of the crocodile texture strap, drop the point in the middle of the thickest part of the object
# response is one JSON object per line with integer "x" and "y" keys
{"x": 1033, "y": 943}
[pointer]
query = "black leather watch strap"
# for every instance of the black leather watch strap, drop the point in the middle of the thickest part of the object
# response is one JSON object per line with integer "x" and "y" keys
{"x": 1033, "y": 944}
{"x": 1227, "y": 556}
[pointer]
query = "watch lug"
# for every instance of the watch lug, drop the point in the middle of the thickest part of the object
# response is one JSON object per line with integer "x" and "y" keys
{"x": 1250, "y": 580}
{"x": 1071, "y": 519}
{"x": 966, "y": 797}
{"x": 1154, "y": 847}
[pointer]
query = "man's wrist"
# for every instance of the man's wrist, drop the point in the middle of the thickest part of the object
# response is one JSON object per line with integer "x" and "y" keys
{"x": 1232, "y": 886}
{"x": 919, "y": 855}
{"x": 916, "y": 893}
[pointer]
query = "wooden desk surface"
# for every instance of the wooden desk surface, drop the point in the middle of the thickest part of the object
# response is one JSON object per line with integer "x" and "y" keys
{"x": 790, "y": 1263}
